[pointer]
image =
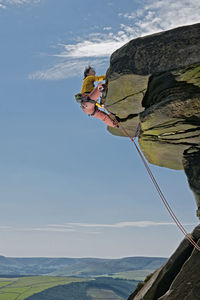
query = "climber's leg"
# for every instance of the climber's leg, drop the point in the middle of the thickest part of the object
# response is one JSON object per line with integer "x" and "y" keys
{"x": 96, "y": 93}
{"x": 104, "y": 117}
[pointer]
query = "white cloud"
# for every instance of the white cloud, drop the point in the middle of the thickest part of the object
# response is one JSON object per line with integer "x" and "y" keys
{"x": 94, "y": 51}
{"x": 135, "y": 224}
{"x": 45, "y": 228}
{"x": 153, "y": 16}
{"x": 66, "y": 69}
{"x": 88, "y": 228}
{"x": 62, "y": 228}
{"x": 107, "y": 28}
{"x": 5, "y": 3}
{"x": 160, "y": 15}
{"x": 98, "y": 45}
{"x": 51, "y": 229}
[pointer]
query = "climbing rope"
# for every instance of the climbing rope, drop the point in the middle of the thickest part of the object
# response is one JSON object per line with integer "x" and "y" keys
{"x": 164, "y": 200}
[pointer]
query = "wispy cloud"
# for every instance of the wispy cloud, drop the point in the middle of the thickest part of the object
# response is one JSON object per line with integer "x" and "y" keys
{"x": 85, "y": 228}
{"x": 52, "y": 229}
{"x": 160, "y": 15}
{"x": 5, "y": 3}
{"x": 98, "y": 45}
{"x": 151, "y": 16}
{"x": 45, "y": 228}
{"x": 49, "y": 228}
{"x": 135, "y": 224}
{"x": 94, "y": 51}
{"x": 107, "y": 28}
{"x": 65, "y": 69}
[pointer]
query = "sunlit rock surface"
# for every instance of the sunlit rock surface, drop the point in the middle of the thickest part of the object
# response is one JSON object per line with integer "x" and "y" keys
{"x": 191, "y": 163}
{"x": 155, "y": 81}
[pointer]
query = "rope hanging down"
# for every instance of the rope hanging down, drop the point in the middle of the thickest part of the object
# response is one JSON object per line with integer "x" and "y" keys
{"x": 164, "y": 200}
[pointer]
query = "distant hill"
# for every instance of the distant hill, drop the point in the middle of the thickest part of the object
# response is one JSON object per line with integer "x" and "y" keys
{"x": 78, "y": 278}
{"x": 62, "y": 288}
{"x": 100, "y": 288}
{"x": 21, "y": 288}
{"x": 81, "y": 267}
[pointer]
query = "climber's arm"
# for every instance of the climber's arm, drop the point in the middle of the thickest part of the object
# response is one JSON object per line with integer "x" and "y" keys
{"x": 100, "y": 78}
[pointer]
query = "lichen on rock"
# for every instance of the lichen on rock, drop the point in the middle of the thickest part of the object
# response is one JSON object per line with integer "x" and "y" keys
{"x": 155, "y": 81}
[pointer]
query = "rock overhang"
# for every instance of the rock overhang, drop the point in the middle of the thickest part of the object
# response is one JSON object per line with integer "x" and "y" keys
{"x": 155, "y": 80}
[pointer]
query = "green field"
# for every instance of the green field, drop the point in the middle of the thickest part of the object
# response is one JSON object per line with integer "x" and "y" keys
{"x": 105, "y": 288}
{"x": 46, "y": 278}
{"x": 139, "y": 275}
{"x": 23, "y": 287}
{"x": 103, "y": 294}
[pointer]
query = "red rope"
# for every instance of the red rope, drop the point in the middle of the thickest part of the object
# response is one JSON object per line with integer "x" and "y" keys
{"x": 164, "y": 200}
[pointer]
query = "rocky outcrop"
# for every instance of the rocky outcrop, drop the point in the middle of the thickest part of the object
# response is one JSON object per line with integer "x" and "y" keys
{"x": 155, "y": 81}
{"x": 178, "y": 278}
{"x": 191, "y": 163}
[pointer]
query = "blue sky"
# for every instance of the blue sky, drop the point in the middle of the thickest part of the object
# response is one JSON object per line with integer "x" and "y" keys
{"x": 68, "y": 187}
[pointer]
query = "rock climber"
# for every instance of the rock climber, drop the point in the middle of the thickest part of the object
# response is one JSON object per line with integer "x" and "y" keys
{"x": 90, "y": 94}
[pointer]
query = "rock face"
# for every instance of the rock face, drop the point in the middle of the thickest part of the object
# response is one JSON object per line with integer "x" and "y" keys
{"x": 155, "y": 81}
{"x": 178, "y": 278}
{"x": 191, "y": 163}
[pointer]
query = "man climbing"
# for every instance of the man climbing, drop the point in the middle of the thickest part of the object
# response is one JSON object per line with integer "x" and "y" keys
{"x": 89, "y": 96}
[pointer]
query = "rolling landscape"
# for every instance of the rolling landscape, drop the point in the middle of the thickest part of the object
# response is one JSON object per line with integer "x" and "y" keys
{"x": 73, "y": 278}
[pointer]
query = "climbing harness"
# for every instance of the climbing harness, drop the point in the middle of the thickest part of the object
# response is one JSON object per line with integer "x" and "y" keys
{"x": 83, "y": 99}
{"x": 164, "y": 200}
